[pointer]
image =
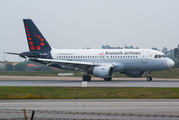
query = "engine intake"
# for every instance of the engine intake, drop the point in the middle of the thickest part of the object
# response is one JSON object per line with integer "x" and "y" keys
{"x": 104, "y": 71}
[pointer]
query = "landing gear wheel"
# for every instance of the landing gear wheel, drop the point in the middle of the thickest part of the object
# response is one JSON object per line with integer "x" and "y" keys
{"x": 149, "y": 78}
{"x": 86, "y": 78}
{"x": 107, "y": 79}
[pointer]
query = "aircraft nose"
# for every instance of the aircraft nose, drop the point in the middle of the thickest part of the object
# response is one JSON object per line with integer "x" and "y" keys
{"x": 170, "y": 63}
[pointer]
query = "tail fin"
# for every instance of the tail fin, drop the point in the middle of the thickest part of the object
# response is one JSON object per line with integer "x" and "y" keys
{"x": 35, "y": 39}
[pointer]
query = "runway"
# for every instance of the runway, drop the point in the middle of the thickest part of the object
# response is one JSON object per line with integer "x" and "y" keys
{"x": 92, "y": 109}
{"x": 77, "y": 82}
{"x": 116, "y": 109}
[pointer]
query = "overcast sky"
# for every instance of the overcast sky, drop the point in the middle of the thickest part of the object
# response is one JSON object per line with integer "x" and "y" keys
{"x": 90, "y": 23}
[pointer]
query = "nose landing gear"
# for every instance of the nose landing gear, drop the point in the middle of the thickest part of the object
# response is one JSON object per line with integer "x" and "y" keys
{"x": 149, "y": 78}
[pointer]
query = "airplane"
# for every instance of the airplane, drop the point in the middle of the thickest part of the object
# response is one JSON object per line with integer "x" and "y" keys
{"x": 102, "y": 63}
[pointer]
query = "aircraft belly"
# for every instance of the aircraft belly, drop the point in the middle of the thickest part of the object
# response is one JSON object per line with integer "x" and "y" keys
{"x": 132, "y": 65}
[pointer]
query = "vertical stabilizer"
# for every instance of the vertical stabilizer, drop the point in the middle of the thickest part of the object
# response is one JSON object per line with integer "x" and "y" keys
{"x": 35, "y": 39}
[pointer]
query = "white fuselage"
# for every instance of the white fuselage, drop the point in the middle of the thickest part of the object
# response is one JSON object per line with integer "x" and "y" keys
{"x": 122, "y": 59}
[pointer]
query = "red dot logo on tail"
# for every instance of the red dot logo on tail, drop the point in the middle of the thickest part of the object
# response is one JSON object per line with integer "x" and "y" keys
{"x": 32, "y": 48}
{"x": 30, "y": 43}
{"x": 41, "y": 39}
{"x": 29, "y": 38}
{"x": 38, "y": 47}
{"x": 42, "y": 43}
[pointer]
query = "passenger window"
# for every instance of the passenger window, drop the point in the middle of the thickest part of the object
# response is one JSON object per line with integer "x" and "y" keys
{"x": 156, "y": 56}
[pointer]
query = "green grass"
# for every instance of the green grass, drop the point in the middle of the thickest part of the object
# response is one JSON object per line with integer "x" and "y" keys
{"x": 172, "y": 73}
{"x": 87, "y": 93}
{"x": 29, "y": 73}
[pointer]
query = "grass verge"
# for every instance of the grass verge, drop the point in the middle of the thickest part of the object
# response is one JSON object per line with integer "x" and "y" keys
{"x": 87, "y": 93}
{"x": 172, "y": 73}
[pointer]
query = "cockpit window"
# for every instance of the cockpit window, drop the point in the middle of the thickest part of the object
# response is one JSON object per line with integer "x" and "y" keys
{"x": 160, "y": 56}
{"x": 164, "y": 56}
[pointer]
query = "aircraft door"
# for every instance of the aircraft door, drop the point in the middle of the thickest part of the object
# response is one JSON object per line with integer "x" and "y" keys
{"x": 144, "y": 57}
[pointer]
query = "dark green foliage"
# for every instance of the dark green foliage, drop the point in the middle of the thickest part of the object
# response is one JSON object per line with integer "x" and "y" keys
{"x": 9, "y": 67}
{"x": 20, "y": 67}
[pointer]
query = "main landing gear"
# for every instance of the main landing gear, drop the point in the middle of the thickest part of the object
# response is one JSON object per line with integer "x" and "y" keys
{"x": 86, "y": 78}
{"x": 148, "y": 76}
{"x": 108, "y": 79}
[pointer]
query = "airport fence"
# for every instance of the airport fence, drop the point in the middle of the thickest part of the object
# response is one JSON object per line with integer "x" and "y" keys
{"x": 22, "y": 114}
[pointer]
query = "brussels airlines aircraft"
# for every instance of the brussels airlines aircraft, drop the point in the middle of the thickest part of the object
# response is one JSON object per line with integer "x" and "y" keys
{"x": 99, "y": 62}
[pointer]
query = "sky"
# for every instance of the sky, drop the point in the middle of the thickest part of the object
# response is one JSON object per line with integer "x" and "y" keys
{"x": 77, "y": 24}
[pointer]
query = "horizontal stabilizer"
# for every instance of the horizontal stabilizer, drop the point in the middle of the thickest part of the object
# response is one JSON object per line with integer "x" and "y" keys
{"x": 13, "y": 53}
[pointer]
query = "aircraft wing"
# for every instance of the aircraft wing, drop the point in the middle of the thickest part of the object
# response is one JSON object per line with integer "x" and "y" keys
{"x": 65, "y": 63}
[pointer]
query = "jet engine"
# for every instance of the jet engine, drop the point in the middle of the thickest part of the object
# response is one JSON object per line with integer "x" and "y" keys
{"x": 104, "y": 71}
{"x": 134, "y": 73}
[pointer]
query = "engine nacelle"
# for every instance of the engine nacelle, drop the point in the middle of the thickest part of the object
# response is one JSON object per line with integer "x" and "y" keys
{"x": 134, "y": 73}
{"x": 104, "y": 71}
